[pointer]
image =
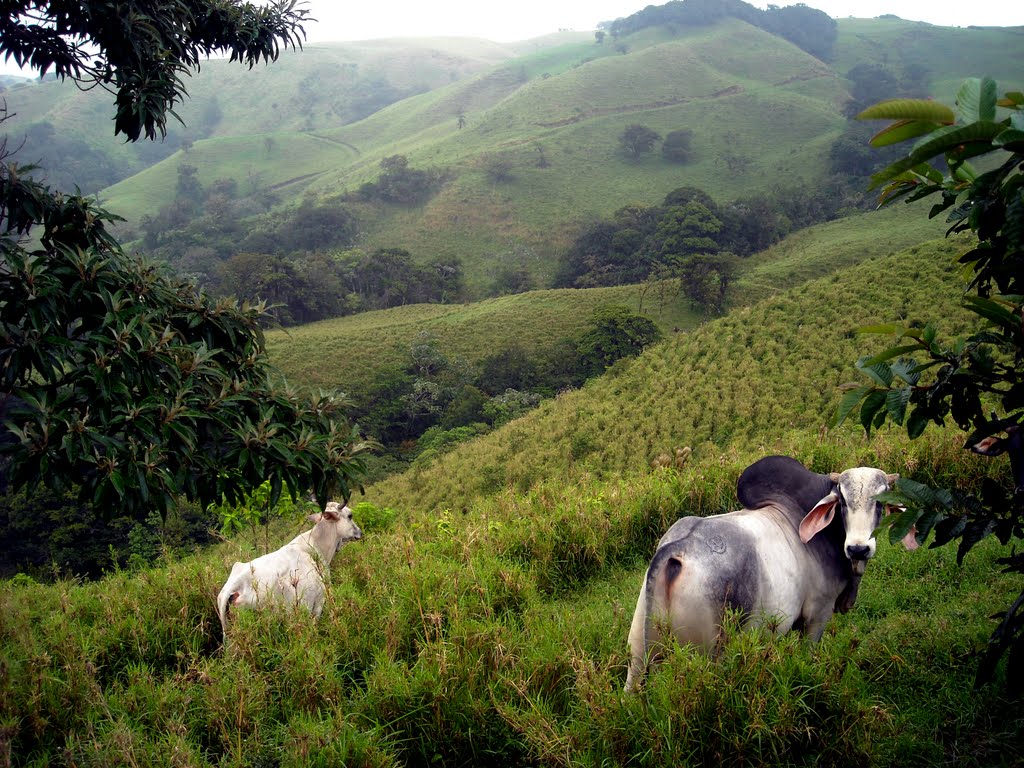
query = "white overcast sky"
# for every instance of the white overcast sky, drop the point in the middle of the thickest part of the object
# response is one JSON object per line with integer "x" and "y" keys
{"x": 522, "y": 19}
{"x": 509, "y": 20}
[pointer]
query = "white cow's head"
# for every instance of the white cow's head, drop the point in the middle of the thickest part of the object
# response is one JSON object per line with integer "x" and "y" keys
{"x": 339, "y": 518}
{"x": 855, "y": 494}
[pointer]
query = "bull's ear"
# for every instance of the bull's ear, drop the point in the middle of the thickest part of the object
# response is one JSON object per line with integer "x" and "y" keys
{"x": 331, "y": 513}
{"x": 894, "y": 509}
{"x": 819, "y": 517}
{"x": 890, "y": 479}
{"x": 314, "y": 518}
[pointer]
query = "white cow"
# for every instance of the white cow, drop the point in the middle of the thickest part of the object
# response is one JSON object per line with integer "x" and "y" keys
{"x": 787, "y": 556}
{"x": 295, "y": 573}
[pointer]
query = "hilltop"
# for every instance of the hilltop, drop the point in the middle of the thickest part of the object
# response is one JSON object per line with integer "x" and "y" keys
{"x": 523, "y": 139}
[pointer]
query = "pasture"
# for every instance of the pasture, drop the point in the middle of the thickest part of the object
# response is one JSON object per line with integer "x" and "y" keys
{"x": 482, "y": 619}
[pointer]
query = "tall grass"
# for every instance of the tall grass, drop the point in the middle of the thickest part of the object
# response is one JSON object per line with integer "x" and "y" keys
{"x": 497, "y": 637}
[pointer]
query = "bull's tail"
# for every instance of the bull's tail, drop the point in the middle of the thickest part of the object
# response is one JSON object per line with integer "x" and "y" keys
{"x": 662, "y": 577}
{"x": 224, "y": 600}
{"x": 653, "y": 609}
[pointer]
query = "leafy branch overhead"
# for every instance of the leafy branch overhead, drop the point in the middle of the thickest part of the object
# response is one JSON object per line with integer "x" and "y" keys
{"x": 977, "y": 381}
{"x": 141, "y": 50}
{"x": 116, "y": 381}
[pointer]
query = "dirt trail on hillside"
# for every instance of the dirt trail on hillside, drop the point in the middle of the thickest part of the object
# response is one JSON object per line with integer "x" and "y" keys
{"x": 732, "y": 90}
{"x": 602, "y": 111}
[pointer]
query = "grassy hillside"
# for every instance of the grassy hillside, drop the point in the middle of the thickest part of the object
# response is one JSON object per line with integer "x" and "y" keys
{"x": 742, "y": 381}
{"x": 323, "y": 86}
{"x": 483, "y": 618}
{"x": 555, "y": 115}
{"x": 351, "y": 353}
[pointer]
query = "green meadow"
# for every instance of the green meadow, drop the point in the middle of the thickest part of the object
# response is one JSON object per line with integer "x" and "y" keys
{"x": 482, "y": 620}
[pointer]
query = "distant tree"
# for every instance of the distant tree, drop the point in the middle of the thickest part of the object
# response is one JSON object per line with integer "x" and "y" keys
{"x": 462, "y": 120}
{"x": 637, "y": 140}
{"x": 683, "y": 230}
{"x": 398, "y": 183}
{"x": 189, "y": 189}
{"x": 678, "y": 146}
{"x": 615, "y": 332}
{"x": 599, "y": 36}
{"x": 705, "y": 279}
{"x": 497, "y": 168}
{"x": 508, "y": 368}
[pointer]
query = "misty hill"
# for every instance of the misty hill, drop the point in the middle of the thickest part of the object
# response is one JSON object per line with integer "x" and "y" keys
{"x": 517, "y": 147}
{"x": 322, "y": 86}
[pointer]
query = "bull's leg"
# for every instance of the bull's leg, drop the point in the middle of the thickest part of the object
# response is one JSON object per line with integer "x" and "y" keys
{"x": 637, "y": 642}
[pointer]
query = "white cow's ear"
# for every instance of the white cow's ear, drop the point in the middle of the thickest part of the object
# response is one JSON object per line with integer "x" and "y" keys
{"x": 331, "y": 513}
{"x": 314, "y": 518}
{"x": 910, "y": 540}
{"x": 819, "y": 517}
{"x": 890, "y": 479}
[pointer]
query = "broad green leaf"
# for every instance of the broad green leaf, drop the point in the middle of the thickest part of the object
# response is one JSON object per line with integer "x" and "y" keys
{"x": 909, "y": 109}
{"x": 976, "y": 100}
{"x": 908, "y": 370}
{"x": 952, "y": 137}
{"x": 992, "y": 310}
{"x": 872, "y": 406}
{"x": 896, "y": 401}
{"x": 901, "y": 523}
{"x": 892, "y": 352}
{"x": 905, "y": 169}
{"x": 1012, "y": 99}
{"x": 880, "y": 373}
{"x": 916, "y": 423}
{"x": 1010, "y": 139}
{"x": 848, "y": 402}
{"x": 901, "y": 131}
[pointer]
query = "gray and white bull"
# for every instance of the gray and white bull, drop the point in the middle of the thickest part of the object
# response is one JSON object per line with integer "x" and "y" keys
{"x": 785, "y": 558}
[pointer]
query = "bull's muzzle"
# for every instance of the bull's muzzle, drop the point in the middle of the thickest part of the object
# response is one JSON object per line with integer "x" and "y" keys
{"x": 858, "y": 551}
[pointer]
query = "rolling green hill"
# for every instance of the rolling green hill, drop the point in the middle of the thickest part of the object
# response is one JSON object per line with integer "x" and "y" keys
{"x": 323, "y": 86}
{"x": 352, "y": 353}
{"x": 763, "y": 114}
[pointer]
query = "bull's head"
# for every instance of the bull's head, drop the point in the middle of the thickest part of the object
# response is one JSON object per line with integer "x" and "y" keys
{"x": 854, "y": 493}
{"x": 339, "y": 517}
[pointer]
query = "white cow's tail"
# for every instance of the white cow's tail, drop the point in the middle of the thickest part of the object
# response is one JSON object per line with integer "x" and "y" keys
{"x": 223, "y": 606}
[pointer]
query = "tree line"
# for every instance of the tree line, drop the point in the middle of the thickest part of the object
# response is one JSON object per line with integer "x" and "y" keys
{"x": 807, "y": 28}
{"x": 689, "y": 237}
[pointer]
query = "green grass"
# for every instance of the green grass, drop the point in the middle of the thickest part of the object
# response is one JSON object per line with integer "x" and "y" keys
{"x": 483, "y": 618}
{"x": 350, "y": 353}
{"x": 498, "y": 637}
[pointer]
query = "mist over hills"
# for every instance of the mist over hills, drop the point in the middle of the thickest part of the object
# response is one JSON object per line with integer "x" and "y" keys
{"x": 521, "y": 141}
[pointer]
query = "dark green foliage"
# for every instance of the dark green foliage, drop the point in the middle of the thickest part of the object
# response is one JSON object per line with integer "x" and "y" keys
{"x": 637, "y": 140}
{"x": 616, "y": 332}
{"x": 118, "y": 383}
{"x": 102, "y": 42}
{"x": 509, "y": 368}
{"x": 152, "y": 390}
{"x": 659, "y": 241}
{"x": 49, "y": 534}
{"x": 977, "y": 381}
{"x": 678, "y": 146}
{"x": 398, "y": 183}
{"x": 808, "y": 28}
